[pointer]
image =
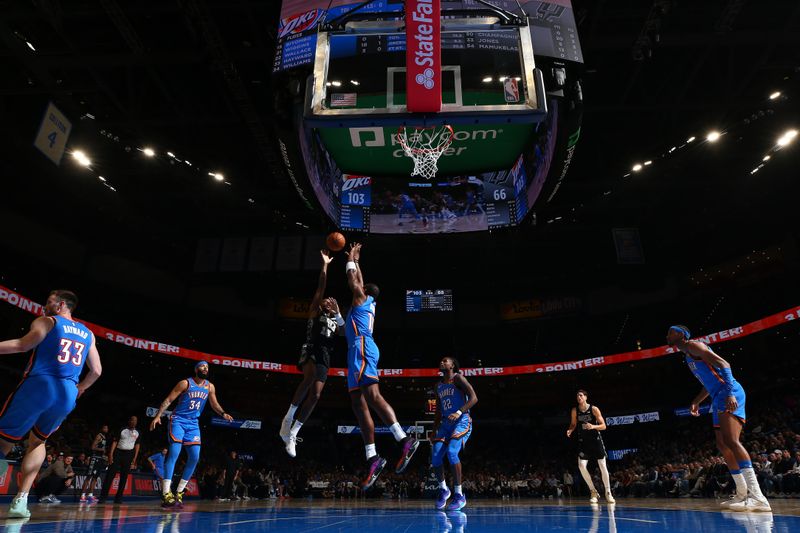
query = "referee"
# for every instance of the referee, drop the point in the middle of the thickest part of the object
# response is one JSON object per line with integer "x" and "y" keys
{"x": 122, "y": 457}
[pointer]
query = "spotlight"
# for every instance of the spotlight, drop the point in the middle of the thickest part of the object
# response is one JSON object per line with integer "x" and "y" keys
{"x": 149, "y": 152}
{"x": 217, "y": 176}
{"x": 767, "y": 158}
{"x": 787, "y": 137}
{"x": 101, "y": 178}
{"x": 336, "y": 83}
{"x": 171, "y": 155}
{"x": 713, "y": 136}
{"x": 487, "y": 79}
{"x": 81, "y": 158}
{"x": 637, "y": 167}
{"x": 690, "y": 139}
{"x": 188, "y": 163}
{"x": 774, "y": 95}
{"x": 354, "y": 82}
{"x": 30, "y": 46}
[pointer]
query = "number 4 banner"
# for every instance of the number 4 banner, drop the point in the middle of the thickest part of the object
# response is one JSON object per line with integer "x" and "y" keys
{"x": 53, "y": 134}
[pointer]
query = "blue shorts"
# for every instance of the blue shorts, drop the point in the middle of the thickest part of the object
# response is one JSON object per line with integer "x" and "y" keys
{"x": 362, "y": 363}
{"x": 462, "y": 429}
{"x": 721, "y": 398}
{"x": 39, "y": 404}
{"x": 184, "y": 430}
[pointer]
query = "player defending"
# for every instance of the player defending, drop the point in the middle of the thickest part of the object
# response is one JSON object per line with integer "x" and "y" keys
{"x": 728, "y": 415}
{"x": 362, "y": 372}
{"x": 49, "y": 386}
{"x": 184, "y": 431}
{"x": 315, "y": 358}
{"x": 586, "y": 421}
{"x": 451, "y": 429}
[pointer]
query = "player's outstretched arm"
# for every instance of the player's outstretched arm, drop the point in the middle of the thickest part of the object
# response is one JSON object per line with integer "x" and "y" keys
{"x": 573, "y": 422}
{"x": 176, "y": 391}
{"x": 95, "y": 369}
{"x": 316, "y": 301}
{"x": 212, "y": 399}
{"x": 354, "y": 280}
{"x": 39, "y": 330}
{"x": 601, "y": 422}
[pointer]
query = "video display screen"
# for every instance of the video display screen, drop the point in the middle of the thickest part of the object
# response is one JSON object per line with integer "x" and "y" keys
{"x": 421, "y": 301}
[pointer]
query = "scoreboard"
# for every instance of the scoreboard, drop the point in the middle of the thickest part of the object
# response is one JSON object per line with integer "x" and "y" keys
{"x": 420, "y": 301}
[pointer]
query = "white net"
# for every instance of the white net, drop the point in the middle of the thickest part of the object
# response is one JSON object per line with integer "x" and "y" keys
{"x": 425, "y": 145}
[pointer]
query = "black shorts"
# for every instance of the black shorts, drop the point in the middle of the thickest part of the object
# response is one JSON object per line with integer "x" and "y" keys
{"x": 591, "y": 449}
{"x": 97, "y": 465}
{"x": 321, "y": 361}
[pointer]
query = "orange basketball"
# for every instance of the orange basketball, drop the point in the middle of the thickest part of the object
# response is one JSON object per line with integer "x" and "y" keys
{"x": 335, "y": 241}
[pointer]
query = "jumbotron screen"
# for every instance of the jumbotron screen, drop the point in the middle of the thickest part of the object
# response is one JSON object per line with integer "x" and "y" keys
{"x": 552, "y": 23}
{"x": 421, "y": 301}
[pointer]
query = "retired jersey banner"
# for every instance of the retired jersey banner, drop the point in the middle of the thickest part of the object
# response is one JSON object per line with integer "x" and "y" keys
{"x": 737, "y": 332}
{"x": 424, "y": 56}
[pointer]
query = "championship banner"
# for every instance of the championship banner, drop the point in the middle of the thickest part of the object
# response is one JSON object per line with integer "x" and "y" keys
{"x": 778, "y": 319}
{"x": 631, "y": 419}
{"x": 235, "y": 424}
{"x": 424, "y": 56}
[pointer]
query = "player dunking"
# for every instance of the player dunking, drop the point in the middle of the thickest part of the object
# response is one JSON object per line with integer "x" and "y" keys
{"x": 184, "y": 430}
{"x": 728, "y": 415}
{"x": 586, "y": 422}
{"x": 451, "y": 429}
{"x": 315, "y": 358}
{"x": 49, "y": 386}
{"x": 362, "y": 372}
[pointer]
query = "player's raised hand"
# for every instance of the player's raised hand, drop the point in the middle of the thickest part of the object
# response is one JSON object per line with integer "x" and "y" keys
{"x": 156, "y": 421}
{"x": 326, "y": 257}
{"x": 334, "y": 305}
{"x": 355, "y": 251}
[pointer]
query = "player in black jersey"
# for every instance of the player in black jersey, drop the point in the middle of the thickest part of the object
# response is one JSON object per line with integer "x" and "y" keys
{"x": 324, "y": 320}
{"x": 586, "y": 423}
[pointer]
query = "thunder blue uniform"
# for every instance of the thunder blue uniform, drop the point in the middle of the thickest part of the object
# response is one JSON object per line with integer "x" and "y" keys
{"x": 362, "y": 352}
{"x": 451, "y": 436}
{"x": 715, "y": 385}
{"x": 158, "y": 460}
{"x": 48, "y": 390}
{"x": 183, "y": 426}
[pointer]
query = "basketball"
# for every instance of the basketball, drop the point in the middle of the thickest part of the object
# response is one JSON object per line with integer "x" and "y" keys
{"x": 335, "y": 241}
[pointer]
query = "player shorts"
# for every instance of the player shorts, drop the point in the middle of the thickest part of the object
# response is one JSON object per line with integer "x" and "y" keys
{"x": 462, "y": 429}
{"x": 591, "y": 448}
{"x": 720, "y": 399}
{"x": 39, "y": 404}
{"x": 97, "y": 465}
{"x": 362, "y": 363}
{"x": 184, "y": 430}
{"x": 321, "y": 359}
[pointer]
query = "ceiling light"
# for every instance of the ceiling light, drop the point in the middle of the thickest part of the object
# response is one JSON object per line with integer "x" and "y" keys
{"x": 217, "y": 176}
{"x": 336, "y": 83}
{"x": 787, "y": 137}
{"x": 637, "y": 167}
{"x": 713, "y": 136}
{"x": 502, "y": 78}
{"x": 81, "y": 158}
{"x": 188, "y": 163}
{"x": 354, "y": 82}
{"x": 767, "y": 158}
{"x": 646, "y": 163}
{"x": 690, "y": 139}
{"x": 101, "y": 178}
{"x": 171, "y": 154}
{"x": 774, "y": 95}
{"x": 30, "y": 45}
{"x": 487, "y": 79}
{"x": 149, "y": 152}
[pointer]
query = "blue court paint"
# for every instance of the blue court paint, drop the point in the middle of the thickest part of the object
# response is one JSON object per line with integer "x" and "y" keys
{"x": 412, "y": 517}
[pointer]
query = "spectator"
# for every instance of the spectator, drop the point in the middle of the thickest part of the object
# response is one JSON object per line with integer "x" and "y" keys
{"x": 122, "y": 457}
{"x": 55, "y": 479}
{"x": 157, "y": 463}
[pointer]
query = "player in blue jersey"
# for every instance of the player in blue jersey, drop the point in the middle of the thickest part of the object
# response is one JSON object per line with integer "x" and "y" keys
{"x": 49, "y": 388}
{"x": 451, "y": 429}
{"x": 727, "y": 412}
{"x": 184, "y": 430}
{"x": 362, "y": 372}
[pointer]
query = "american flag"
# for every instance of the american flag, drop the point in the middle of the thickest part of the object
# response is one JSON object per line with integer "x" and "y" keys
{"x": 343, "y": 100}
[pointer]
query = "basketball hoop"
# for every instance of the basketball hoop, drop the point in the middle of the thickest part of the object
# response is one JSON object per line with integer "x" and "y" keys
{"x": 425, "y": 145}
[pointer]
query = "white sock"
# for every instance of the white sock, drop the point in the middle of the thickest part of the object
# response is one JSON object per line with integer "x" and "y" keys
{"x": 585, "y": 473}
{"x": 604, "y": 474}
{"x": 741, "y": 484}
{"x": 292, "y": 410}
{"x": 165, "y": 486}
{"x": 182, "y": 485}
{"x": 458, "y": 489}
{"x": 295, "y": 428}
{"x": 397, "y": 431}
{"x": 752, "y": 483}
{"x": 22, "y": 496}
{"x": 371, "y": 452}
{"x": 443, "y": 485}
